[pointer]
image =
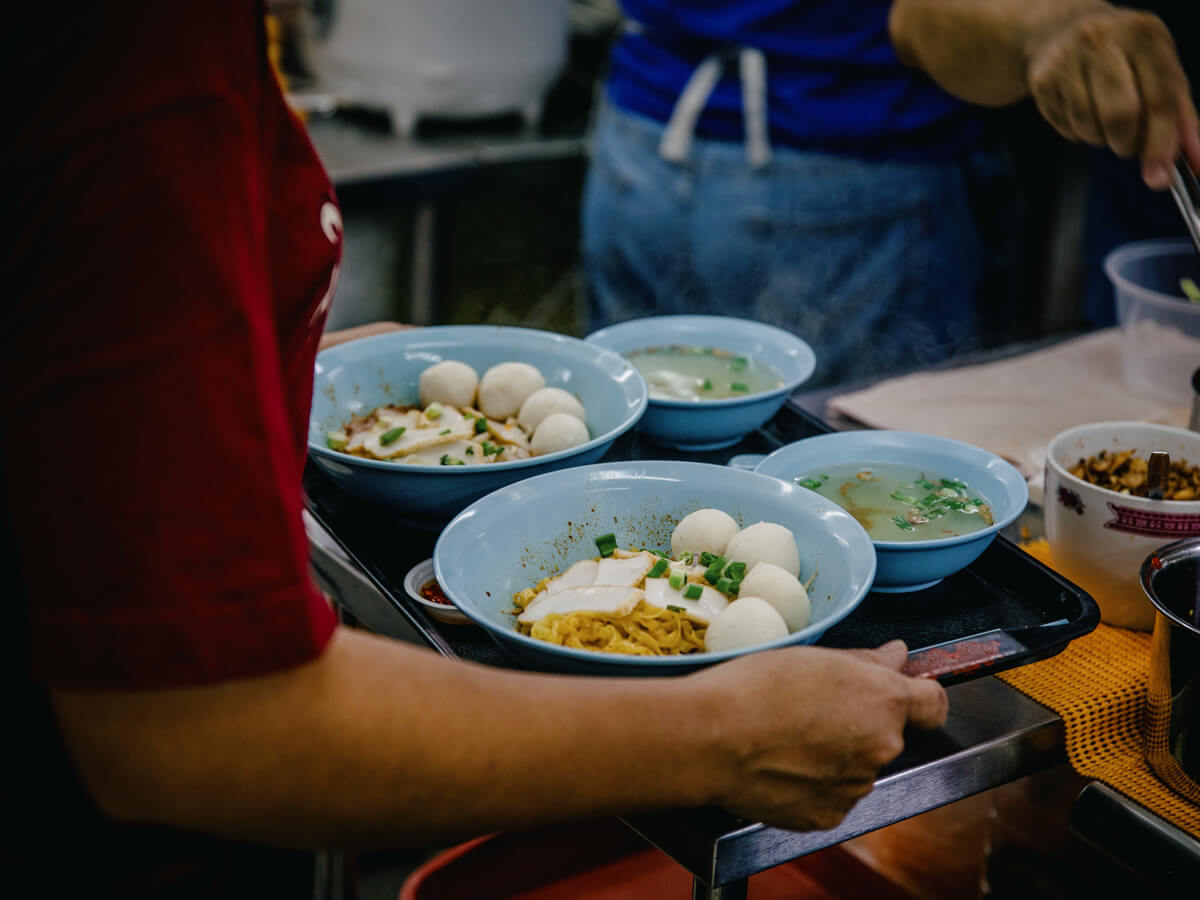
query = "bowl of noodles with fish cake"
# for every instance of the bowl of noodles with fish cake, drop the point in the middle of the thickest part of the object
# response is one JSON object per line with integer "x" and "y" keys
{"x": 377, "y": 431}
{"x": 499, "y": 553}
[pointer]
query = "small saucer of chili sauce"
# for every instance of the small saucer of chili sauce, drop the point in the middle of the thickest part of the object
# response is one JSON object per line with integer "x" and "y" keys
{"x": 422, "y": 586}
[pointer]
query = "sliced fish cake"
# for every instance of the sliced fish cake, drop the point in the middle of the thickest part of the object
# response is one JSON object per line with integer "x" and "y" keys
{"x": 601, "y": 599}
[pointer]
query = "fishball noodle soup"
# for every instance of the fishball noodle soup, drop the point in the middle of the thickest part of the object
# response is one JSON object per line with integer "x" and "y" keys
{"x": 902, "y": 503}
{"x": 701, "y": 373}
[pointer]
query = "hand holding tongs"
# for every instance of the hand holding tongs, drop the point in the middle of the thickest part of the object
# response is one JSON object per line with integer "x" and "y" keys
{"x": 1186, "y": 191}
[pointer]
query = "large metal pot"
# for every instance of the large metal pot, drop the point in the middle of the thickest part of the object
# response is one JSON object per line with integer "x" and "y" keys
{"x": 1171, "y": 579}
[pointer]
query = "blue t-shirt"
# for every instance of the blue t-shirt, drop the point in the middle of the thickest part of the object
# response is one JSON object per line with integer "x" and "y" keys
{"x": 834, "y": 82}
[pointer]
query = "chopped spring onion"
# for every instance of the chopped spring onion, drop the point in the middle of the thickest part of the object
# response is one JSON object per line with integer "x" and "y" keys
{"x": 707, "y": 559}
{"x": 739, "y": 386}
{"x": 470, "y": 451}
{"x": 713, "y": 572}
{"x": 903, "y": 497}
{"x": 391, "y": 435}
{"x": 729, "y": 585}
{"x": 707, "y": 386}
{"x": 693, "y": 592}
{"x": 902, "y": 523}
{"x": 480, "y": 425}
{"x": 606, "y": 544}
{"x": 811, "y": 483}
{"x": 1190, "y": 290}
{"x": 443, "y": 431}
{"x": 337, "y": 440}
{"x": 735, "y": 570}
{"x": 675, "y": 609}
{"x": 490, "y": 449}
{"x": 739, "y": 364}
{"x": 448, "y": 460}
{"x": 434, "y": 411}
{"x": 676, "y": 580}
{"x": 659, "y": 568}
{"x": 686, "y": 557}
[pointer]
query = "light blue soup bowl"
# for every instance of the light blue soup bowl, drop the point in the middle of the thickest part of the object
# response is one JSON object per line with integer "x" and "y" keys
{"x": 711, "y": 424}
{"x": 910, "y": 566}
{"x": 353, "y": 378}
{"x": 511, "y": 539}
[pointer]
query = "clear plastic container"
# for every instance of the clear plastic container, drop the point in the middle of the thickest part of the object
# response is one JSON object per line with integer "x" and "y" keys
{"x": 1160, "y": 340}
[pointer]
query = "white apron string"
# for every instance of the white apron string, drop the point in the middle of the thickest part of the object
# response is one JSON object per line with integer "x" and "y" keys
{"x": 676, "y": 141}
{"x": 752, "y": 67}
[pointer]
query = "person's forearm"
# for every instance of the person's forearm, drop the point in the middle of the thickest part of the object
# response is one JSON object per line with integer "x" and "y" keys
{"x": 382, "y": 743}
{"x": 978, "y": 50}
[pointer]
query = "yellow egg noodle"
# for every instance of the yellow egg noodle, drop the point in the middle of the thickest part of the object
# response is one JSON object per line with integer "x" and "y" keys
{"x": 645, "y": 631}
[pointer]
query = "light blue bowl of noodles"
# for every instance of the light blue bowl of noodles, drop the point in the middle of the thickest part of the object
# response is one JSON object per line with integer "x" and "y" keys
{"x": 515, "y": 536}
{"x": 353, "y": 378}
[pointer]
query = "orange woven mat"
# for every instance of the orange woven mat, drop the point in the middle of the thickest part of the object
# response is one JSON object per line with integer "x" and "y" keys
{"x": 1098, "y": 686}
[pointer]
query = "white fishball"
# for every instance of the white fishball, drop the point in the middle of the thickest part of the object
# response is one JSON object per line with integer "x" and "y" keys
{"x": 505, "y": 387}
{"x": 746, "y": 622}
{"x": 764, "y": 542}
{"x": 703, "y": 530}
{"x": 450, "y": 383}
{"x": 558, "y": 431}
{"x": 546, "y": 401}
{"x": 782, "y": 590}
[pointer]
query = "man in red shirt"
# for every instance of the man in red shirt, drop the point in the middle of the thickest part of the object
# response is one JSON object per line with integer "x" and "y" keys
{"x": 173, "y": 254}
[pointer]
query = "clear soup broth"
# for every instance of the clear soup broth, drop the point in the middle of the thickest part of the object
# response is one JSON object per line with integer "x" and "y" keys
{"x": 701, "y": 373}
{"x": 902, "y": 503}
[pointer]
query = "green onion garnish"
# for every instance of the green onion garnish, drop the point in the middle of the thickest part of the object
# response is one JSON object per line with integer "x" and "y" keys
{"x": 902, "y": 524}
{"x": 606, "y": 544}
{"x": 337, "y": 440}
{"x": 443, "y": 431}
{"x": 391, "y": 435}
{"x": 735, "y": 570}
{"x": 707, "y": 559}
{"x": 675, "y": 609}
{"x": 724, "y": 585}
{"x": 739, "y": 386}
{"x": 676, "y": 580}
{"x": 1190, "y": 290}
{"x": 448, "y": 460}
{"x": 951, "y": 483}
{"x": 480, "y": 425}
{"x": 739, "y": 363}
{"x": 692, "y": 592}
{"x": 707, "y": 386}
{"x": 713, "y": 572}
{"x": 903, "y": 497}
{"x": 434, "y": 411}
{"x": 811, "y": 483}
{"x": 657, "y": 571}
{"x": 470, "y": 451}
{"x": 490, "y": 449}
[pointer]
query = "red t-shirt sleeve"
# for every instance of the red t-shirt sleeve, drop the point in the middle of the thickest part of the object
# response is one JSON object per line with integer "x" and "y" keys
{"x": 152, "y": 460}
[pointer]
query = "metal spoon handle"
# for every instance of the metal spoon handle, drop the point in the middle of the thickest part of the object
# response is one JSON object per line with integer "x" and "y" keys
{"x": 1186, "y": 191}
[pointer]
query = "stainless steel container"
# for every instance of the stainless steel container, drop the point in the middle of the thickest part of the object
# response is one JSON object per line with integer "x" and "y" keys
{"x": 1194, "y": 422}
{"x": 1171, "y": 579}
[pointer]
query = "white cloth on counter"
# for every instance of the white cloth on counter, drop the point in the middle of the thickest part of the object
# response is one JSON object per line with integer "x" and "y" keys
{"x": 1014, "y": 406}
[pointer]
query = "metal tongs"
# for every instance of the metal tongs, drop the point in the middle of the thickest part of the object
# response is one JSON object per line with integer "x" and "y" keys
{"x": 1186, "y": 191}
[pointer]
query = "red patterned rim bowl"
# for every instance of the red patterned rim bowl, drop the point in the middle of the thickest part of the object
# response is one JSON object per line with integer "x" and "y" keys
{"x": 1098, "y": 537}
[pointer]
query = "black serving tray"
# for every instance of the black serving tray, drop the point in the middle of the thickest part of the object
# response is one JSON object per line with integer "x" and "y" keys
{"x": 1004, "y": 610}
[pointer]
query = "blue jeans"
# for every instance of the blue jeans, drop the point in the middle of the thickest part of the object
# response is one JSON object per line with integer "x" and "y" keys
{"x": 875, "y": 264}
